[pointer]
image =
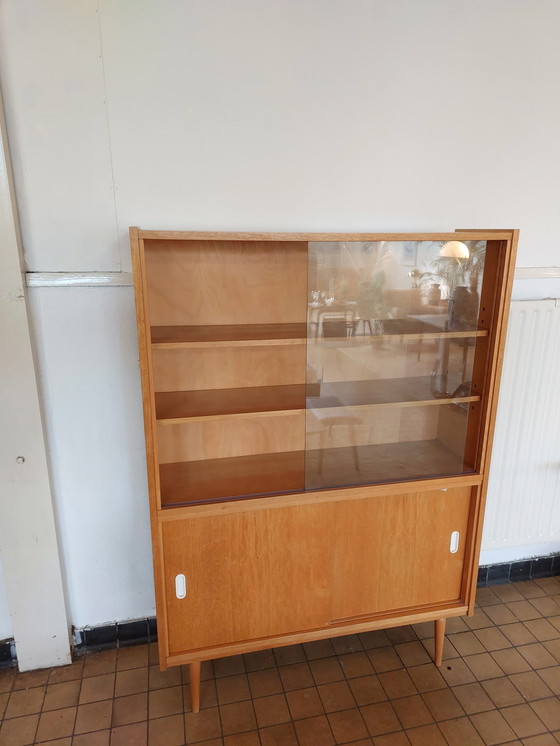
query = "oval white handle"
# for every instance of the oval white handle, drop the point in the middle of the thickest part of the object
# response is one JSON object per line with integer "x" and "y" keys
{"x": 454, "y": 543}
{"x": 180, "y": 586}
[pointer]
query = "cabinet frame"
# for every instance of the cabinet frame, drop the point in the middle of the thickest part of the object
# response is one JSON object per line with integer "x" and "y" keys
{"x": 488, "y": 363}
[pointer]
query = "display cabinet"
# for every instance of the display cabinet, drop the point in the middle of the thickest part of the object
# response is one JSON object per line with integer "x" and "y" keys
{"x": 318, "y": 412}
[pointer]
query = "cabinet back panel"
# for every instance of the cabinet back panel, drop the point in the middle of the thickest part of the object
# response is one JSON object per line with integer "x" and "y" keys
{"x": 393, "y": 551}
{"x": 224, "y": 368}
{"x": 242, "y": 568}
{"x": 225, "y": 438}
{"x": 226, "y": 282}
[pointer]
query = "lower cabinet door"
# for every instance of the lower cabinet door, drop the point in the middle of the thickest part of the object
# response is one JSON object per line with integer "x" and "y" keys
{"x": 394, "y": 551}
{"x": 247, "y": 575}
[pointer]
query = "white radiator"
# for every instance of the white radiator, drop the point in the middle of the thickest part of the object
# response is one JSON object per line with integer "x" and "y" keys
{"x": 523, "y": 505}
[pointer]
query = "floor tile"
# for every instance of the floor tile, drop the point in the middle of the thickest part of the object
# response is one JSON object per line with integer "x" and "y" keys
{"x": 460, "y": 732}
{"x": 426, "y": 678}
{"x": 356, "y": 664}
{"x": 367, "y": 690}
{"x": 232, "y": 688}
{"x": 443, "y": 704}
{"x": 530, "y": 685}
{"x": 314, "y": 731}
{"x": 167, "y": 731}
{"x": 279, "y": 735}
{"x": 537, "y": 656}
{"x": 493, "y": 727}
{"x": 473, "y": 698}
{"x": 240, "y": 716}
{"x": 132, "y": 657}
{"x": 97, "y": 688}
{"x": 380, "y": 718}
{"x": 326, "y": 670}
{"x": 483, "y": 666}
{"x": 510, "y": 661}
{"x": 263, "y": 683}
{"x": 502, "y": 692}
{"x": 347, "y": 726}
{"x": 412, "y": 653}
{"x": 131, "y": 709}
{"x": 203, "y": 725}
{"x": 412, "y": 711}
{"x": 31, "y": 679}
{"x": 304, "y": 703}
{"x": 25, "y": 702}
{"x": 548, "y": 711}
{"x": 523, "y": 721}
{"x": 19, "y": 731}
{"x": 296, "y": 676}
{"x": 133, "y": 681}
{"x": 427, "y": 735}
{"x": 130, "y": 735}
{"x": 336, "y": 696}
{"x": 65, "y": 694}
{"x": 96, "y": 664}
{"x": 99, "y": 738}
{"x": 56, "y": 724}
{"x": 397, "y": 684}
{"x": 466, "y": 643}
{"x": 163, "y": 679}
{"x": 94, "y": 716}
{"x": 271, "y": 710}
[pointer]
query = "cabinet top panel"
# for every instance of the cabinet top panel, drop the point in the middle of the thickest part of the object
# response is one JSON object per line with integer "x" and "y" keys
{"x": 465, "y": 235}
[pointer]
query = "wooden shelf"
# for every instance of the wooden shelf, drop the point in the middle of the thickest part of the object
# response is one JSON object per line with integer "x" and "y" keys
{"x": 402, "y": 392}
{"x": 177, "y": 406}
{"x": 212, "y": 480}
{"x": 385, "y": 462}
{"x": 223, "y": 479}
{"x": 229, "y": 335}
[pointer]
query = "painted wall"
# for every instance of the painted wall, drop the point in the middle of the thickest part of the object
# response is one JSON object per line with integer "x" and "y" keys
{"x": 5, "y": 619}
{"x": 212, "y": 114}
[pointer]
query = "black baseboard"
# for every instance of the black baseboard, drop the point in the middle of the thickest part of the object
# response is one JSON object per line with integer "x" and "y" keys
{"x": 7, "y": 653}
{"x": 512, "y": 572}
{"x": 116, "y": 634}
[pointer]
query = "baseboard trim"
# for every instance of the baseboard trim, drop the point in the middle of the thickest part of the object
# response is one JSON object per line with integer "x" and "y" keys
{"x": 7, "y": 653}
{"x": 513, "y": 572}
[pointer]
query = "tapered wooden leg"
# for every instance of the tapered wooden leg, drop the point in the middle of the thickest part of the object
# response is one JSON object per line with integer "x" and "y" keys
{"x": 194, "y": 672}
{"x": 440, "y": 639}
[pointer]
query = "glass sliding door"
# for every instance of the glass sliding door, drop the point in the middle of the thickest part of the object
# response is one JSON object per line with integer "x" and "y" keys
{"x": 393, "y": 334}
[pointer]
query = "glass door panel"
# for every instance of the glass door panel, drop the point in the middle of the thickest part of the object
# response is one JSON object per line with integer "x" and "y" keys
{"x": 392, "y": 336}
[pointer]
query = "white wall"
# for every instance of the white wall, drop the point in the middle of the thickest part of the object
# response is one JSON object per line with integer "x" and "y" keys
{"x": 5, "y": 619}
{"x": 212, "y": 114}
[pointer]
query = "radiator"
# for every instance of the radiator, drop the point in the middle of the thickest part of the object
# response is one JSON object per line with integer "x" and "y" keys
{"x": 523, "y": 504}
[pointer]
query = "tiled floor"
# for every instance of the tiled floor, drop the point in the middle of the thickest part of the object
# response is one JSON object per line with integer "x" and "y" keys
{"x": 499, "y": 684}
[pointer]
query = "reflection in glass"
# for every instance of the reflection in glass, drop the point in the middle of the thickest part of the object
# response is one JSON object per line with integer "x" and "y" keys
{"x": 393, "y": 329}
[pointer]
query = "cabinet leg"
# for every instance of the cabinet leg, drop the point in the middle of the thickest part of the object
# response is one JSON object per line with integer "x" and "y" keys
{"x": 440, "y": 639}
{"x": 194, "y": 672}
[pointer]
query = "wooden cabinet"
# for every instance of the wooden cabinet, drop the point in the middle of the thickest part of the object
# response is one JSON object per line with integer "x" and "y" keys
{"x": 319, "y": 413}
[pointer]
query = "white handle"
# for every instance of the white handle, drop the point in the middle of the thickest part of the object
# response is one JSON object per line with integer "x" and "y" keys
{"x": 180, "y": 586}
{"x": 454, "y": 542}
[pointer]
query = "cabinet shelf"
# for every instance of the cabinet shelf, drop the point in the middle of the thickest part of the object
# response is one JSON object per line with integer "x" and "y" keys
{"x": 192, "y": 482}
{"x": 177, "y": 406}
{"x": 227, "y": 335}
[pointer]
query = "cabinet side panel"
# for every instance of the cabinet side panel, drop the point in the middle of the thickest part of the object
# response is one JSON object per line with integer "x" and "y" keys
{"x": 249, "y": 575}
{"x": 226, "y": 282}
{"x": 144, "y": 350}
{"x": 393, "y": 552}
{"x": 497, "y": 341}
